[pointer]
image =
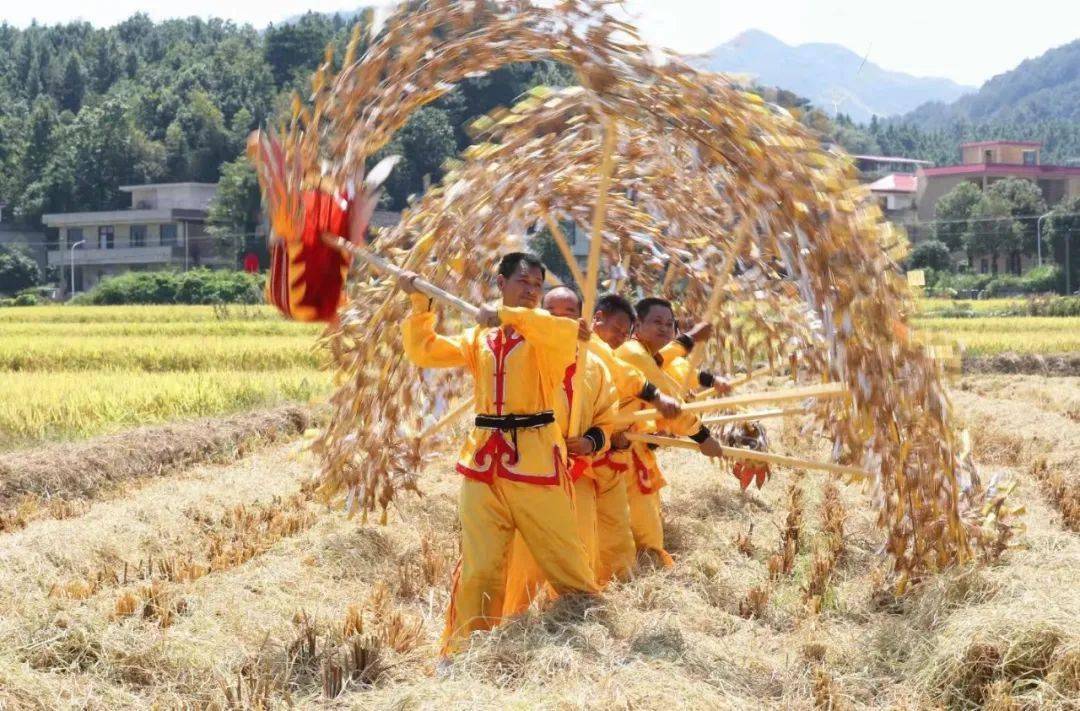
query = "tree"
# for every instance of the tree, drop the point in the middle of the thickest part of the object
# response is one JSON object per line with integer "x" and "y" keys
{"x": 106, "y": 62}
{"x": 542, "y": 244}
{"x": 1025, "y": 200}
{"x": 42, "y": 138}
{"x": 931, "y": 254}
{"x": 953, "y": 212}
{"x": 207, "y": 139}
{"x": 297, "y": 45}
{"x": 73, "y": 85}
{"x": 236, "y": 206}
{"x": 992, "y": 230}
{"x": 1064, "y": 227}
{"x": 17, "y": 271}
{"x": 428, "y": 140}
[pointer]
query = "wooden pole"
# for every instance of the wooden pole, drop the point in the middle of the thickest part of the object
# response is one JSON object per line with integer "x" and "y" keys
{"x": 717, "y": 296}
{"x": 764, "y": 370}
{"x": 424, "y": 287}
{"x": 753, "y": 455}
{"x": 592, "y": 274}
{"x": 733, "y": 401}
{"x": 753, "y": 415}
{"x": 449, "y": 418}
{"x": 564, "y": 248}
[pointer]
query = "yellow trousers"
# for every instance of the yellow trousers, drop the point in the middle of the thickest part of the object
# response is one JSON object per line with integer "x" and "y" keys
{"x": 490, "y": 514}
{"x": 524, "y": 578}
{"x": 646, "y": 522}
{"x": 615, "y": 554}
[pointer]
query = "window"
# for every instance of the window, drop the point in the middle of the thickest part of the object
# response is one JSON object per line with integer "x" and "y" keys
{"x": 984, "y": 266}
{"x": 74, "y": 236}
{"x": 1030, "y": 157}
{"x": 988, "y": 156}
{"x": 138, "y": 235}
{"x": 106, "y": 237}
{"x": 168, "y": 235}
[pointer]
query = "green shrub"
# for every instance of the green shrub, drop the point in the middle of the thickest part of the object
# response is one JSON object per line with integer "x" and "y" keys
{"x": 1060, "y": 306}
{"x": 963, "y": 282}
{"x": 27, "y": 299}
{"x": 931, "y": 254}
{"x": 1043, "y": 280}
{"x": 198, "y": 286}
{"x": 1004, "y": 285}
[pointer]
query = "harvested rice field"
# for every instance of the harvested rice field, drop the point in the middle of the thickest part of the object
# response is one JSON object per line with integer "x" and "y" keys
{"x": 230, "y": 585}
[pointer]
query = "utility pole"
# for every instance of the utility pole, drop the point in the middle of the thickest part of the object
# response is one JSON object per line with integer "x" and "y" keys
{"x": 1038, "y": 234}
{"x": 77, "y": 244}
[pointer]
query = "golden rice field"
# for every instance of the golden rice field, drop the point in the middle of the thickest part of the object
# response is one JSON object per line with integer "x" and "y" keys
{"x": 76, "y": 371}
{"x": 1021, "y": 334}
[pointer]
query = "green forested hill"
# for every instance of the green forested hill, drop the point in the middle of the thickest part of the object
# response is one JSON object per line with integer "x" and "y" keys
{"x": 1046, "y": 88}
{"x": 1038, "y": 100}
{"x": 84, "y": 110}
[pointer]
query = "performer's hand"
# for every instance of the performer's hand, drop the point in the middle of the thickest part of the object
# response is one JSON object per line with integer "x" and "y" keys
{"x": 700, "y": 331}
{"x": 619, "y": 441}
{"x": 488, "y": 317}
{"x": 405, "y": 282}
{"x": 579, "y": 446}
{"x": 584, "y": 331}
{"x": 711, "y": 448}
{"x": 667, "y": 406}
{"x": 722, "y": 386}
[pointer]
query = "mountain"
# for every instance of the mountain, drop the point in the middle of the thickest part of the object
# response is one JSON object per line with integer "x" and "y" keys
{"x": 1044, "y": 88}
{"x": 831, "y": 76}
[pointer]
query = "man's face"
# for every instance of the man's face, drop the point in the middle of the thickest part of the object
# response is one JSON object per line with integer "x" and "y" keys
{"x": 562, "y": 302}
{"x": 613, "y": 328}
{"x": 657, "y": 328}
{"x": 522, "y": 288}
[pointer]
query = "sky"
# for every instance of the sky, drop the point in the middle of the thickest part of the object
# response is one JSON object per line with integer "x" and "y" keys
{"x": 968, "y": 41}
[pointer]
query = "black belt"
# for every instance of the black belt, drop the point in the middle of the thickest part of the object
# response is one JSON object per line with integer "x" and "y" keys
{"x": 513, "y": 423}
{"x": 509, "y": 423}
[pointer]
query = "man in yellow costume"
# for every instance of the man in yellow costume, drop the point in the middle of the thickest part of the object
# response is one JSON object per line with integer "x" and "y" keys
{"x": 524, "y": 578}
{"x": 514, "y": 458}
{"x": 655, "y": 352}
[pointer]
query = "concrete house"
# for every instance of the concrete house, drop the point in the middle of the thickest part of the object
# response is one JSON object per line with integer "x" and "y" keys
{"x": 165, "y": 227}
{"x": 986, "y": 162}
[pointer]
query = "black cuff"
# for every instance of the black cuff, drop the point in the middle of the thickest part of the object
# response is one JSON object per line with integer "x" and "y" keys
{"x": 685, "y": 341}
{"x": 649, "y": 392}
{"x": 706, "y": 379}
{"x": 701, "y": 435}
{"x": 596, "y": 436}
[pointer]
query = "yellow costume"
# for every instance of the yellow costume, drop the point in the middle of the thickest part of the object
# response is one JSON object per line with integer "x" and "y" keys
{"x": 615, "y": 541}
{"x": 524, "y": 577}
{"x": 643, "y": 477}
{"x": 513, "y": 460}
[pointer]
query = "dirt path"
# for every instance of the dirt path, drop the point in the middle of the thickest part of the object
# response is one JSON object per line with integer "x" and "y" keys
{"x": 271, "y": 620}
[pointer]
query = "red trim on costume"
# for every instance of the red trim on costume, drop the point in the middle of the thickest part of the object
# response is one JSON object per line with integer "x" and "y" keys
{"x": 501, "y": 342}
{"x": 641, "y": 473}
{"x": 496, "y": 456}
{"x": 578, "y": 467}
{"x": 608, "y": 461}
{"x": 568, "y": 386}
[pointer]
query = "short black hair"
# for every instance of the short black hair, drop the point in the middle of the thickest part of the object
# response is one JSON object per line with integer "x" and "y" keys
{"x": 642, "y": 307}
{"x": 613, "y": 304}
{"x": 572, "y": 290}
{"x": 512, "y": 261}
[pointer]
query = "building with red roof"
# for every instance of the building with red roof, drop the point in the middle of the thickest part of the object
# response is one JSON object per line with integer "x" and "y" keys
{"x": 986, "y": 162}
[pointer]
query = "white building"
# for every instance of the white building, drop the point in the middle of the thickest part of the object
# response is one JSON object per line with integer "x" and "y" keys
{"x": 896, "y": 194}
{"x": 165, "y": 227}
